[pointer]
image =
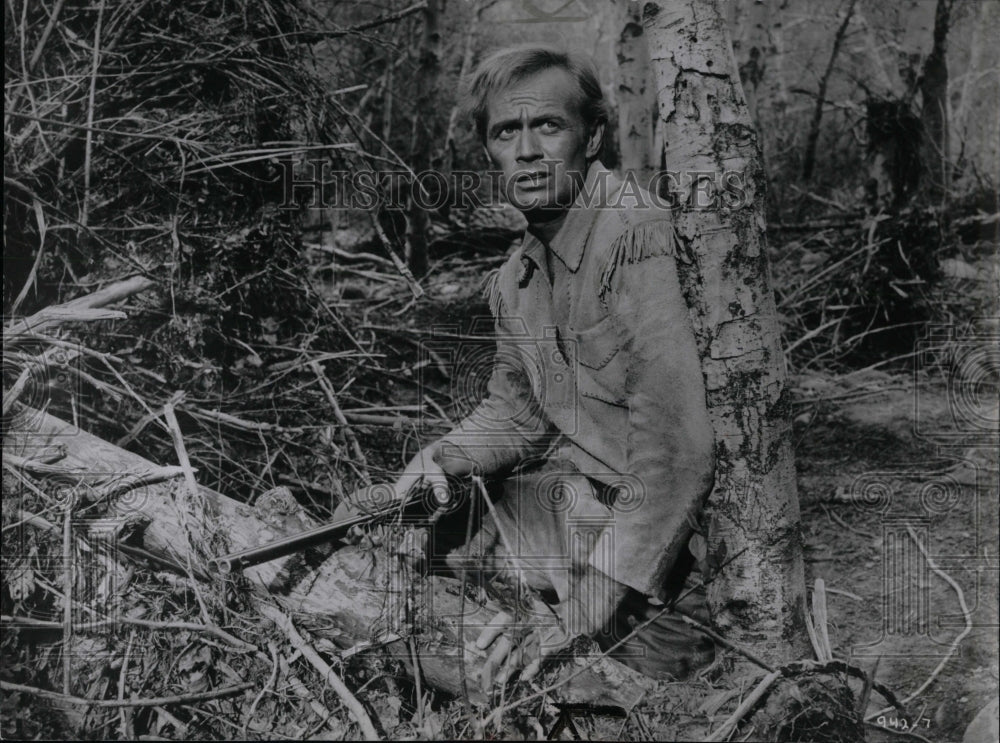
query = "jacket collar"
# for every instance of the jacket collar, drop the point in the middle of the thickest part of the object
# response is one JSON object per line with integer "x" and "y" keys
{"x": 571, "y": 239}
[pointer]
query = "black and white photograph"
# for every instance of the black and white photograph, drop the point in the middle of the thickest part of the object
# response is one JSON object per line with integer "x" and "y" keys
{"x": 618, "y": 370}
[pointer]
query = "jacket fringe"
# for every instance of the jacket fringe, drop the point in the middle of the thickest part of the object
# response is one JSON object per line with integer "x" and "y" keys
{"x": 491, "y": 291}
{"x": 635, "y": 244}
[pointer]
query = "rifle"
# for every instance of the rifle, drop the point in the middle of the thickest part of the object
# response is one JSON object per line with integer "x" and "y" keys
{"x": 369, "y": 499}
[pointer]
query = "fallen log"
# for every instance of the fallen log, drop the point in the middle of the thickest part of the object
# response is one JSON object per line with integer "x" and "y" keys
{"x": 353, "y": 597}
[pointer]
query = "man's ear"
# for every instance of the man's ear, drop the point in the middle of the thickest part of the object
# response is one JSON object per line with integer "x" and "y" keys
{"x": 595, "y": 141}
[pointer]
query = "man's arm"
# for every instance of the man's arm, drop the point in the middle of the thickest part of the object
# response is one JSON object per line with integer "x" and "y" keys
{"x": 670, "y": 445}
{"x": 508, "y": 425}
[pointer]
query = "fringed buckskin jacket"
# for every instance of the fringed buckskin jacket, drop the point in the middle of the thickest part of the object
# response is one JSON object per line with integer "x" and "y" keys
{"x": 601, "y": 359}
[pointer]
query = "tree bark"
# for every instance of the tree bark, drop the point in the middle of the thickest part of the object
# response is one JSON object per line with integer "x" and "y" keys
{"x": 934, "y": 105}
{"x": 350, "y": 597}
{"x": 447, "y": 155}
{"x": 428, "y": 71}
{"x": 812, "y": 139}
{"x": 635, "y": 96}
{"x": 750, "y": 24}
{"x": 757, "y": 599}
{"x": 976, "y": 122}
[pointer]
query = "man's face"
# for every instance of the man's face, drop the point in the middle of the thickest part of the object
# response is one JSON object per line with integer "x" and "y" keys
{"x": 536, "y": 135}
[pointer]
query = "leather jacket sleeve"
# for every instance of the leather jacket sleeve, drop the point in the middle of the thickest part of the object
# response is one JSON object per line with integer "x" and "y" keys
{"x": 507, "y": 426}
{"x": 670, "y": 440}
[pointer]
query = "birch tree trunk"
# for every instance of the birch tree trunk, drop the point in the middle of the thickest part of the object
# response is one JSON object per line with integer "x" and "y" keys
{"x": 757, "y": 599}
{"x": 750, "y": 24}
{"x": 635, "y": 95}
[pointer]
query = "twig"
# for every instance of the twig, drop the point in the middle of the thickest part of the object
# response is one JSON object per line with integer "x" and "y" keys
{"x": 89, "y": 141}
{"x": 809, "y": 158}
{"x": 331, "y": 397}
{"x": 273, "y": 650}
{"x": 193, "y": 493}
{"x": 43, "y": 39}
{"x": 329, "y": 675}
{"x": 848, "y": 594}
{"x": 231, "y": 420}
{"x": 389, "y": 18}
{"x": 83, "y": 308}
{"x": 325, "y": 716}
{"x": 511, "y": 554}
{"x": 866, "y": 689}
{"x": 819, "y": 615}
{"x": 417, "y": 673}
{"x": 136, "y": 480}
{"x": 129, "y": 621}
{"x": 151, "y": 702}
{"x": 36, "y": 467}
{"x": 730, "y": 724}
{"x": 756, "y": 659}
{"x": 403, "y": 269}
{"x": 67, "y": 547}
{"x": 33, "y": 519}
{"x": 461, "y": 621}
{"x": 360, "y": 256}
{"x": 33, "y": 273}
{"x": 123, "y": 714}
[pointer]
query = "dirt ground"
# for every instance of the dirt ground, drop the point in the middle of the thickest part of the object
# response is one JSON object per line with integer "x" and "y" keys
{"x": 886, "y": 466}
{"x": 898, "y": 490}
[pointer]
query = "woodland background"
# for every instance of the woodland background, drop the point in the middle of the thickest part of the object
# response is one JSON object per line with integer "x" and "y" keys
{"x": 144, "y": 137}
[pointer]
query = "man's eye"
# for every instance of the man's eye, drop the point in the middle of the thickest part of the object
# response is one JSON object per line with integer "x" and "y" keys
{"x": 550, "y": 127}
{"x": 507, "y": 132}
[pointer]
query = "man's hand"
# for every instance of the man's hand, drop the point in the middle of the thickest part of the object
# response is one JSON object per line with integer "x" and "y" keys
{"x": 429, "y": 468}
{"x": 422, "y": 470}
{"x": 591, "y": 603}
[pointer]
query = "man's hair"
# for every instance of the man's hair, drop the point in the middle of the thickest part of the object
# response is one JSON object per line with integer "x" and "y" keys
{"x": 505, "y": 67}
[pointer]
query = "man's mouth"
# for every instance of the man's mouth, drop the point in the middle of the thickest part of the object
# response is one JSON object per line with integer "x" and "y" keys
{"x": 531, "y": 181}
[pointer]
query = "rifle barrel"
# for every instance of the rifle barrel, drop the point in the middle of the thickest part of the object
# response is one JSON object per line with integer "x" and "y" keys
{"x": 297, "y": 542}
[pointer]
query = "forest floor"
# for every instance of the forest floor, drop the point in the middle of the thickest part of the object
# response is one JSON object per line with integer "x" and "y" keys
{"x": 898, "y": 490}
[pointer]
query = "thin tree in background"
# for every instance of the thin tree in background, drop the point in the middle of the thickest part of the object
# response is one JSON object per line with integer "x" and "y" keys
{"x": 934, "y": 105}
{"x": 634, "y": 94}
{"x": 757, "y": 598}
{"x": 750, "y": 22}
{"x": 812, "y": 139}
{"x": 424, "y": 130}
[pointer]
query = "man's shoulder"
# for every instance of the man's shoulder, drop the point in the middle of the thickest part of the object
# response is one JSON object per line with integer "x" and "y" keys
{"x": 627, "y": 205}
{"x": 631, "y": 226}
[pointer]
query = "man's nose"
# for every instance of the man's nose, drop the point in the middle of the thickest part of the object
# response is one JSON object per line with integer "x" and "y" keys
{"x": 528, "y": 146}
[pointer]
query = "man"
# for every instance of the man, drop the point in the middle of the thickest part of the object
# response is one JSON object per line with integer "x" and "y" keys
{"x": 595, "y": 422}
